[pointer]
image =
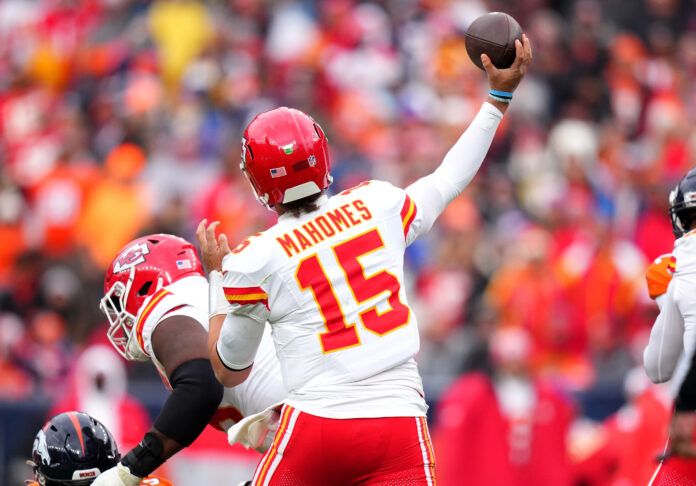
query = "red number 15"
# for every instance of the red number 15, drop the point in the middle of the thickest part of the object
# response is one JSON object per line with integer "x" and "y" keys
{"x": 339, "y": 334}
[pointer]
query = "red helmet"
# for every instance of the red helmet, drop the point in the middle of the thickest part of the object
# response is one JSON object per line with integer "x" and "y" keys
{"x": 285, "y": 156}
{"x": 141, "y": 268}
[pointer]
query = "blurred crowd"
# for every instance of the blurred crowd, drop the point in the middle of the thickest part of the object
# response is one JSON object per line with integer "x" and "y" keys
{"x": 123, "y": 117}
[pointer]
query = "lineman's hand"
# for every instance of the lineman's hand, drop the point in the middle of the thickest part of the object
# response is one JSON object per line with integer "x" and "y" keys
{"x": 508, "y": 79}
{"x": 118, "y": 475}
{"x": 212, "y": 250}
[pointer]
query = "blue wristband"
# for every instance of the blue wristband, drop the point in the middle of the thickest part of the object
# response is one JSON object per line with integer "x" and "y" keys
{"x": 500, "y": 94}
{"x": 499, "y": 99}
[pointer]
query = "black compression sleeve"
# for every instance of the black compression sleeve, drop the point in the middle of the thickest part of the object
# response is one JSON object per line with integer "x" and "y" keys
{"x": 195, "y": 396}
{"x": 144, "y": 458}
{"x": 686, "y": 399}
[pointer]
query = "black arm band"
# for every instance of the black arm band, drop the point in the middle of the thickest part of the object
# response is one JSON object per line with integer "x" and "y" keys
{"x": 145, "y": 457}
{"x": 686, "y": 399}
{"x": 196, "y": 395}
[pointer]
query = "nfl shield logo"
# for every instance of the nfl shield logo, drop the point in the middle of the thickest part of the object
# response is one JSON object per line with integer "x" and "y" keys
{"x": 312, "y": 160}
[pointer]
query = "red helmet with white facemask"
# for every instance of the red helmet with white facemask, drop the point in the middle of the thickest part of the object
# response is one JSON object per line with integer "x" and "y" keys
{"x": 141, "y": 268}
{"x": 285, "y": 156}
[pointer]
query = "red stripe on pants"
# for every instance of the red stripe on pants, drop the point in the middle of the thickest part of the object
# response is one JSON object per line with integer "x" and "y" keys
{"x": 316, "y": 451}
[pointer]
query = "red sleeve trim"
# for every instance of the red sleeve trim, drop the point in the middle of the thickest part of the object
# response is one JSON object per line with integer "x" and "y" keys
{"x": 408, "y": 214}
{"x": 246, "y": 295}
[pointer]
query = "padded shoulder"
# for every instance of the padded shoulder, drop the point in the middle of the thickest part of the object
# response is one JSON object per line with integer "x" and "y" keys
{"x": 685, "y": 255}
{"x": 378, "y": 194}
{"x": 252, "y": 257}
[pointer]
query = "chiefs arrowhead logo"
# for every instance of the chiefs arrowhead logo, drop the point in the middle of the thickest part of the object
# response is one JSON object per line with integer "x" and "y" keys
{"x": 131, "y": 257}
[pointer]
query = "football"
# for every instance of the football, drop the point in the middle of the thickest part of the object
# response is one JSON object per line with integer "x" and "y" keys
{"x": 493, "y": 34}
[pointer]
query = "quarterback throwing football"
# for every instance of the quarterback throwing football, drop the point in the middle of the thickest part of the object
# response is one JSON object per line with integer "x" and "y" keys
{"x": 328, "y": 277}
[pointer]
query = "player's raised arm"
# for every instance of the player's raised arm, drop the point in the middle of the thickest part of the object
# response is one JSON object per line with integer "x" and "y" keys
{"x": 233, "y": 336}
{"x": 432, "y": 193}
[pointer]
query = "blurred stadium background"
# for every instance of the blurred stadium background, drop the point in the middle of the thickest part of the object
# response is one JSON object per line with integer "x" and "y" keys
{"x": 123, "y": 117}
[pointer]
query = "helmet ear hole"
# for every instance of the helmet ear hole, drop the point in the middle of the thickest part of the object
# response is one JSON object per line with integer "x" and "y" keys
{"x": 145, "y": 288}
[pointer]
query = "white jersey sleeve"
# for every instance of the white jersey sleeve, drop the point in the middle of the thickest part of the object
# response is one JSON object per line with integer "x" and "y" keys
{"x": 432, "y": 193}
{"x": 242, "y": 284}
{"x": 666, "y": 340}
{"x": 248, "y": 310}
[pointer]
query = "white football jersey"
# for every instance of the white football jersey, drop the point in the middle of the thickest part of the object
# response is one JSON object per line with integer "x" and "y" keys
{"x": 684, "y": 291}
{"x": 673, "y": 335}
{"x": 189, "y": 297}
{"x": 330, "y": 284}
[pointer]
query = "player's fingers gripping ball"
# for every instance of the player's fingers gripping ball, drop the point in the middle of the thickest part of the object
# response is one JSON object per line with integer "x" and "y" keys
{"x": 659, "y": 274}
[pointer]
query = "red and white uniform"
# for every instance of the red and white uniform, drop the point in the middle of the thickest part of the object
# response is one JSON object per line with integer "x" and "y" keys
{"x": 330, "y": 284}
{"x": 189, "y": 297}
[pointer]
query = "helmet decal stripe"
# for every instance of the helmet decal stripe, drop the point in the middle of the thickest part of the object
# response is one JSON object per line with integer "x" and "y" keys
{"x": 76, "y": 424}
{"x": 156, "y": 299}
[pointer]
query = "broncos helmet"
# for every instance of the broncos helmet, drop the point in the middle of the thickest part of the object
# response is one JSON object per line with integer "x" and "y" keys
{"x": 682, "y": 204}
{"x": 72, "y": 449}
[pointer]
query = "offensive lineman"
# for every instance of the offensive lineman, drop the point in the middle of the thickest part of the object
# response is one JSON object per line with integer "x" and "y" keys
{"x": 328, "y": 277}
{"x": 156, "y": 300}
{"x": 672, "y": 283}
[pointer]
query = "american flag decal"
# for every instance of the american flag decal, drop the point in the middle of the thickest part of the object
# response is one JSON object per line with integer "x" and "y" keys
{"x": 183, "y": 264}
{"x": 278, "y": 172}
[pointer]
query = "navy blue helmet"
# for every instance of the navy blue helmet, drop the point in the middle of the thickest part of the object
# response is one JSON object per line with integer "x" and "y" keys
{"x": 682, "y": 204}
{"x": 72, "y": 449}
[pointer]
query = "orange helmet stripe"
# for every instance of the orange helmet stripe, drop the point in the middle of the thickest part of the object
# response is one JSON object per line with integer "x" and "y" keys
{"x": 76, "y": 424}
